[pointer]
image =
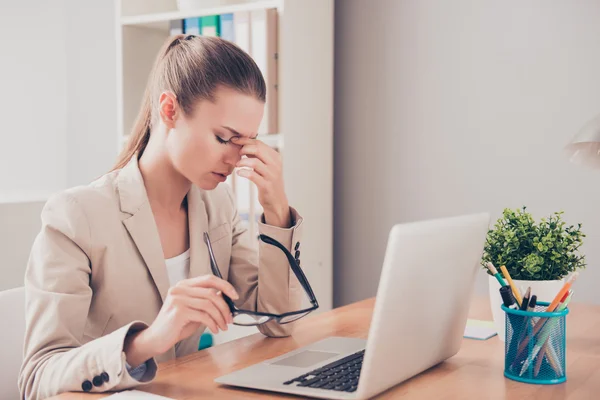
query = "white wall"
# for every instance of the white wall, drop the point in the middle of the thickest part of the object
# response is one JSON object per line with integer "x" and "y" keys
{"x": 20, "y": 224}
{"x": 92, "y": 139}
{"x": 33, "y": 110}
{"x": 34, "y": 99}
{"x": 445, "y": 108}
{"x": 58, "y": 112}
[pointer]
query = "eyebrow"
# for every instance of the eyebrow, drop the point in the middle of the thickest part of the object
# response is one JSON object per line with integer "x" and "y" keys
{"x": 233, "y": 131}
{"x": 236, "y": 133}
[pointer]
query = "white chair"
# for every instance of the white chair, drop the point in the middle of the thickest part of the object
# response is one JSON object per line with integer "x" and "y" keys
{"x": 12, "y": 315}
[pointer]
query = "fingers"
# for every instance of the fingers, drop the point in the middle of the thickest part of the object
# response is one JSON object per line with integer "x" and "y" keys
{"x": 258, "y": 149}
{"x": 201, "y": 317}
{"x": 213, "y": 282}
{"x": 257, "y": 165}
{"x": 217, "y": 314}
{"x": 243, "y": 140}
{"x": 221, "y": 305}
{"x": 204, "y": 300}
{"x": 253, "y": 176}
{"x": 211, "y": 301}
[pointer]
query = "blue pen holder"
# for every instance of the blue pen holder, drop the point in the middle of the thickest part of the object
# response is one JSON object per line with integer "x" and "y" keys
{"x": 535, "y": 346}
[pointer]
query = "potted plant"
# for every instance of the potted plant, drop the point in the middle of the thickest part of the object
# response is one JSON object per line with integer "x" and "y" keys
{"x": 537, "y": 255}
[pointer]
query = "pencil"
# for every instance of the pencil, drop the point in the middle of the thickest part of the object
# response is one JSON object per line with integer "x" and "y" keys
{"x": 562, "y": 292}
{"x": 495, "y": 272}
{"x": 512, "y": 285}
{"x": 542, "y": 321}
{"x": 547, "y": 348}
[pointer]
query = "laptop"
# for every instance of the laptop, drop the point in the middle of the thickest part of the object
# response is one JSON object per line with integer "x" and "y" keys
{"x": 419, "y": 318}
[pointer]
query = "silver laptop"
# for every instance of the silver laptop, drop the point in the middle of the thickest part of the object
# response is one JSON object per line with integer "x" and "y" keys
{"x": 419, "y": 318}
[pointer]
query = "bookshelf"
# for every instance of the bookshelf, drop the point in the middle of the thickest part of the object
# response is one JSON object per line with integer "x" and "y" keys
{"x": 305, "y": 104}
{"x": 161, "y": 20}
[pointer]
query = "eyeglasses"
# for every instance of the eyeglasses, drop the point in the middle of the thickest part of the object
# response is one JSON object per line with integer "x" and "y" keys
{"x": 253, "y": 318}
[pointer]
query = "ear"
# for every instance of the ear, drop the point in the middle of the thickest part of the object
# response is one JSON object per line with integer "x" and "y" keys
{"x": 168, "y": 109}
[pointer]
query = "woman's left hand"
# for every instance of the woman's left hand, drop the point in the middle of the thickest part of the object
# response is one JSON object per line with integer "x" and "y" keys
{"x": 267, "y": 175}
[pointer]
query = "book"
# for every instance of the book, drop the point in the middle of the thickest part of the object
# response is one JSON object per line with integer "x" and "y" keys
{"x": 210, "y": 25}
{"x": 227, "y": 27}
{"x": 192, "y": 26}
{"x": 175, "y": 27}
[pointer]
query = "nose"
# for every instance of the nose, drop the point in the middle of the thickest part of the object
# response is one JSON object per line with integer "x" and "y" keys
{"x": 232, "y": 155}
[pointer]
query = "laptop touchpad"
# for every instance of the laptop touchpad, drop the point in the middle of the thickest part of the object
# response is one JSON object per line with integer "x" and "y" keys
{"x": 305, "y": 359}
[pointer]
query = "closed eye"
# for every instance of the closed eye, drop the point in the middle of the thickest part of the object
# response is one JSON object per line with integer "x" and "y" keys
{"x": 221, "y": 140}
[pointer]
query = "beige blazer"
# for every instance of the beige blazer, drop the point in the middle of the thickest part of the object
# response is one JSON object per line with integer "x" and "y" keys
{"x": 97, "y": 272}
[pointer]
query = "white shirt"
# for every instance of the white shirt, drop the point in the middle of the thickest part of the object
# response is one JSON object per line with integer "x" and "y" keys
{"x": 178, "y": 267}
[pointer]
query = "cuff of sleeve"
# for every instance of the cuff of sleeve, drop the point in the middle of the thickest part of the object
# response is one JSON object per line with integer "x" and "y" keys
{"x": 138, "y": 373}
{"x": 272, "y": 280}
{"x": 286, "y": 236}
{"x": 112, "y": 360}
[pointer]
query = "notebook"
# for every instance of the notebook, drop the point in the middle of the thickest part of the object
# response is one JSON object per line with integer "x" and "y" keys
{"x": 136, "y": 394}
{"x": 480, "y": 330}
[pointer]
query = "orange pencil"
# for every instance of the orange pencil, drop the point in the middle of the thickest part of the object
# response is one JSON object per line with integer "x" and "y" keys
{"x": 562, "y": 292}
{"x": 551, "y": 307}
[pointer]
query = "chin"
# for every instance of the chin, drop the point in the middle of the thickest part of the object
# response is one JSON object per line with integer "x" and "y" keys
{"x": 204, "y": 185}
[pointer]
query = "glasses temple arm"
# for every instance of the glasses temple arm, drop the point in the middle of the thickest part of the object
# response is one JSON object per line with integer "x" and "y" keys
{"x": 295, "y": 267}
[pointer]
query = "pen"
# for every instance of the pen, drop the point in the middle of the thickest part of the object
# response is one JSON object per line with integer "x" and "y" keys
{"x": 548, "y": 348}
{"x": 507, "y": 297}
{"x": 543, "y": 338}
{"x": 526, "y": 327}
{"x": 495, "y": 272}
{"x": 523, "y": 341}
{"x": 530, "y": 308}
{"x": 554, "y": 359}
{"x": 532, "y": 303}
{"x": 525, "y": 303}
{"x": 509, "y": 302}
{"x": 551, "y": 307}
{"x": 512, "y": 284}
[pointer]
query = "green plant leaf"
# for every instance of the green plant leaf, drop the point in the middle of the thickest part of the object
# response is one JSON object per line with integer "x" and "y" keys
{"x": 547, "y": 250}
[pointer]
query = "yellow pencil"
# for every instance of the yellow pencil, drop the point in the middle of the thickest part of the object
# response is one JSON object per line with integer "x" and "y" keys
{"x": 512, "y": 285}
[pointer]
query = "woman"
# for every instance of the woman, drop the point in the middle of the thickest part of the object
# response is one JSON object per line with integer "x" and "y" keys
{"x": 120, "y": 277}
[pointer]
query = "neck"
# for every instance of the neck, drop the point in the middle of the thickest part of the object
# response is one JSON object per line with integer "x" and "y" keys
{"x": 166, "y": 188}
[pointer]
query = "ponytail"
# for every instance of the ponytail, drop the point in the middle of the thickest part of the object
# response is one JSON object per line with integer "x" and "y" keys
{"x": 191, "y": 67}
{"x": 140, "y": 134}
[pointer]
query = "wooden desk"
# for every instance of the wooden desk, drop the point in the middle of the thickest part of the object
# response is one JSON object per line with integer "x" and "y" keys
{"x": 476, "y": 372}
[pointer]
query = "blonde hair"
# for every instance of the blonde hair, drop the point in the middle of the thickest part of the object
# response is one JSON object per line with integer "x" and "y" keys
{"x": 192, "y": 67}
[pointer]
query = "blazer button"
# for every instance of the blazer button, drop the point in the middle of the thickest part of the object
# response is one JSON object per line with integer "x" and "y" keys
{"x": 98, "y": 381}
{"x": 297, "y": 254}
{"x": 86, "y": 386}
{"x": 105, "y": 376}
{"x": 297, "y": 246}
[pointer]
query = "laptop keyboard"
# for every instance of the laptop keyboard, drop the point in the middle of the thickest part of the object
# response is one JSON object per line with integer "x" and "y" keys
{"x": 341, "y": 375}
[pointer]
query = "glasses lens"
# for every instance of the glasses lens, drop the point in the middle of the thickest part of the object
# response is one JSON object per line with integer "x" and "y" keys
{"x": 292, "y": 318}
{"x": 249, "y": 319}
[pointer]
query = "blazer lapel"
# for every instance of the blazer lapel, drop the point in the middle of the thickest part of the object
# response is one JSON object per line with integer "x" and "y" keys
{"x": 198, "y": 224}
{"x": 141, "y": 224}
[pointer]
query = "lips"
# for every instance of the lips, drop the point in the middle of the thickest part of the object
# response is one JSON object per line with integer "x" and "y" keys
{"x": 221, "y": 176}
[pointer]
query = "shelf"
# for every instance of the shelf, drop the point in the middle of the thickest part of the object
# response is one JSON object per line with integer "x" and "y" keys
{"x": 161, "y": 20}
